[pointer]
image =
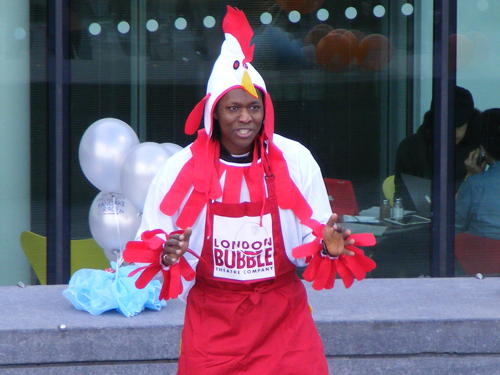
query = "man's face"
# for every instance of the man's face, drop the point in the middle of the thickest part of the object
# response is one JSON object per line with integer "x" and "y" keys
{"x": 240, "y": 118}
{"x": 460, "y": 133}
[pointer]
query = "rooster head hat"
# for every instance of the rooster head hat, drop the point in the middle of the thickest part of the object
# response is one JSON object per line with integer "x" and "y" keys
{"x": 232, "y": 69}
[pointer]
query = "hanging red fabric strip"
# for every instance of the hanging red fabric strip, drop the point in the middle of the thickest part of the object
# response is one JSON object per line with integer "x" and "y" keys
{"x": 331, "y": 278}
{"x": 289, "y": 196}
{"x": 165, "y": 286}
{"x": 175, "y": 282}
{"x": 360, "y": 263}
{"x": 191, "y": 209}
{"x": 345, "y": 274}
{"x": 206, "y": 176}
{"x": 146, "y": 276}
{"x": 254, "y": 178}
{"x": 322, "y": 275}
{"x": 137, "y": 250}
{"x": 363, "y": 239}
{"x": 232, "y": 185}
{"x": 307, "y": 249}
{"x": 186, "y": 270}
{"x": 315, "y": 225}
{"x": 312, "y": 269}
{"x": 174, "y": 197}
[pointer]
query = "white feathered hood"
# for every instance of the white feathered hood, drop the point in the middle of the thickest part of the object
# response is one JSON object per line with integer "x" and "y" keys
{"x": 232, "y": 69}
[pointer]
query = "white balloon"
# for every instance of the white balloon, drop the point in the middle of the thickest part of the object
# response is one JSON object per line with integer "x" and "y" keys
{"x": 140, "y": 166}
{"x": 113, "y": 221}
{"x": 102, "y": 151}
{"x": 171, "y": 148}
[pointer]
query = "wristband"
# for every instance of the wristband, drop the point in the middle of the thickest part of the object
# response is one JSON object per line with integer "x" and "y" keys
{"x": 325, "y": 253}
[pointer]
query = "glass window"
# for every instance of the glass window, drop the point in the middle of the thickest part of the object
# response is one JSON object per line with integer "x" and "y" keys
{"x": 16, "y": 171}
{"x": 351, "y": 80}
{"x": 477, "y": 245}
{"x": 406, "y": 152}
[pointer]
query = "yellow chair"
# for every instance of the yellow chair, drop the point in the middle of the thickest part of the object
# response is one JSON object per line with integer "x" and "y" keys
{"x": 388, "y": 189}
{"x": 85, "y": 253}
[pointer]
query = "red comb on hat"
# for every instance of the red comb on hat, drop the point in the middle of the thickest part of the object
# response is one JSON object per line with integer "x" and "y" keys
{"x": 235, "y": 23}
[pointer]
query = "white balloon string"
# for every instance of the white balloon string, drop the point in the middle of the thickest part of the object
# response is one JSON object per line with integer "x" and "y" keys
{"x": 119, "y": 255}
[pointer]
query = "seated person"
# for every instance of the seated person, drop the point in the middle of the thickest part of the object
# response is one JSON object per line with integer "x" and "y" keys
{"x": 415, "y": 153}
{"x": 478, "y": 199}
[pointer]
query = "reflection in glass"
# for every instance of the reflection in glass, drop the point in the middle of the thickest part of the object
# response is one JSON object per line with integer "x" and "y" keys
{"x": 349, "y": 88}
{"x": 95, "y": 28}
{"x": 482, "y": 5}
{"x": 123, "y": 27}
{"x": 209, "y": 22}
{"x": 180, "y": 23}
{"x": 407, "y": 9}
{"x": 152, "y": 25}
{"x": 322, "y": 14}
{"x": 378, "y": 11}
{"x": 351, "y": 13}
{"x": 19, "y": 33}
{"x": 294, "y": 16}
{"x": 266, "y": 18}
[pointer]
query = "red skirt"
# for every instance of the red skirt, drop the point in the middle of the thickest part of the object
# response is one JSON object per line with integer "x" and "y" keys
{"x": 263, "y": 328}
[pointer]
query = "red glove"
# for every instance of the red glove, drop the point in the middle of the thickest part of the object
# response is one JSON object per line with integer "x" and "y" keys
{"x": 150, "y": 250}
{"x": 322, "y": 269}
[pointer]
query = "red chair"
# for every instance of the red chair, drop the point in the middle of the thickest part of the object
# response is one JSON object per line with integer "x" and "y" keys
{"x": 477, "y": 254}
{"x": 341, "y": 196}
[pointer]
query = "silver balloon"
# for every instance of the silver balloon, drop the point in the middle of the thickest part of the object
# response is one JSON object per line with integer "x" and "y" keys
{"x": 139, "y": 168}
{"x": 102, "y": 151}
{"x": 171, "y": 148}
{"x": 113, "y": 221}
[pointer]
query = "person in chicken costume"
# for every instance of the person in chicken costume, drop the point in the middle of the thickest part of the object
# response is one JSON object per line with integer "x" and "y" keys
{"x": 227, "y": 220}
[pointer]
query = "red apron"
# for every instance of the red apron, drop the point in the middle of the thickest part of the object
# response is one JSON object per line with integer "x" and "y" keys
{"x": 247, "y": 312}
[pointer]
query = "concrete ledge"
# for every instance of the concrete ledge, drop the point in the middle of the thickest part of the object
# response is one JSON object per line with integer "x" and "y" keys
{"x": 378, "y": 326}
{"x": 416, "y": 365}
{"x": 94, "y": 369}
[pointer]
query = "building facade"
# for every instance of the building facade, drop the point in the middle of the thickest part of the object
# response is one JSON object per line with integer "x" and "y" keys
{"x": 350, "y": 80}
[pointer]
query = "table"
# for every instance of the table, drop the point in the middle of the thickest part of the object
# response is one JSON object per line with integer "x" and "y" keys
{"x": 400, "y": 251}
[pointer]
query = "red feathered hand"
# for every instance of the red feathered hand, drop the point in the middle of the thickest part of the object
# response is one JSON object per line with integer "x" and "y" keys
{"x": 322, "y": 270}
{"x": 150, "y": 250}
{"x": 235, "y": 23}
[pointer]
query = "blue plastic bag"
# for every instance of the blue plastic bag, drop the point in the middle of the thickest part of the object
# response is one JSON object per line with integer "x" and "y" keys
{"x": 97, "y": 291}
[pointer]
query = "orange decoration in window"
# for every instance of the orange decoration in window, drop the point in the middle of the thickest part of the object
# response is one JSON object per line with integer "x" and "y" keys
{"x": 374, "y": 52}
{"x": 336, "y": 50}
{"x": 317, "y": 33}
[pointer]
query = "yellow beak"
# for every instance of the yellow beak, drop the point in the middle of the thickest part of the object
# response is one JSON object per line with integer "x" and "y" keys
{"x": 247, "y": 84}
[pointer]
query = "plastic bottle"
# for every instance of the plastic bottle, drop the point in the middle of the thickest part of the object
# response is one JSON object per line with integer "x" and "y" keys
{"x": 385, "y": 210}
{"x": 397, "y": 210}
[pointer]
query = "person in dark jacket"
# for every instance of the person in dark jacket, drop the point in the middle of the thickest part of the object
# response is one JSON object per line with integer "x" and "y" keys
{"x": 478, "y": 199}
{"x": 415, "y": 153}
